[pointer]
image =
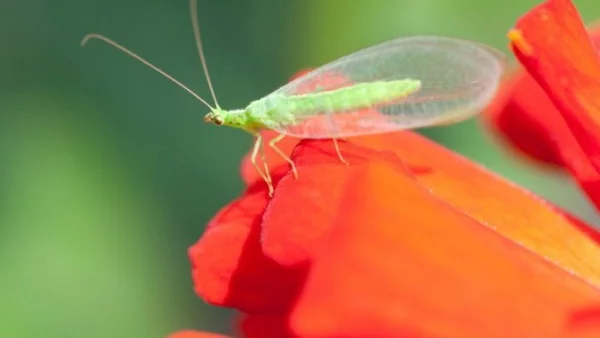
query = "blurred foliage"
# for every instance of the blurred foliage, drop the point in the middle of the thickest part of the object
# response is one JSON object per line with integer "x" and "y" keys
{"x": 108, "y": 173}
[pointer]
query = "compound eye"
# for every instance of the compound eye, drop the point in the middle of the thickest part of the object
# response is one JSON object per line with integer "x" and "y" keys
{"x": 218, "y": 120}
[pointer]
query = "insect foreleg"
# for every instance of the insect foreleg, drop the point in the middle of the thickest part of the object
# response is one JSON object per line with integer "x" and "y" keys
{"x": 265, "y": 164}
{"x": 266, "y": 177}
{"x": 279, "y": 152}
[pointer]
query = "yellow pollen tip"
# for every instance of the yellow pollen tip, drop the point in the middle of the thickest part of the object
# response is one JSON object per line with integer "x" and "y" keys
{"x": 516, "y": 39}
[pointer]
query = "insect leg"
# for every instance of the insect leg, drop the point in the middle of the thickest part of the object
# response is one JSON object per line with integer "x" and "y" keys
{"x": 265, "y": 164}
{"x": 273, "y": 145}
{"x": 333, "y": 127}
{"x": 257, "y": 146}
{"x": 339, "y": 153}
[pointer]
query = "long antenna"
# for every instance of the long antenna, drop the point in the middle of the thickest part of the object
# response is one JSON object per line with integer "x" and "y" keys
{"x": 194, "y": 15}
{"x": 142, "y": 60}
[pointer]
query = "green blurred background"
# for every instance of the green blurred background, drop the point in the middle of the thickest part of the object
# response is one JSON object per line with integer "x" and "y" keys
{"x": 108, "y": 173}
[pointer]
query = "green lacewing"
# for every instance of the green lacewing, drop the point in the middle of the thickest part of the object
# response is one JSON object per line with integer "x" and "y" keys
{"x": 410, "y": 82}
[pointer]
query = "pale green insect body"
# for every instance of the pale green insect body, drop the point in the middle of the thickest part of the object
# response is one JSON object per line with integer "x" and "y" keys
{"x": 278, "y": 110}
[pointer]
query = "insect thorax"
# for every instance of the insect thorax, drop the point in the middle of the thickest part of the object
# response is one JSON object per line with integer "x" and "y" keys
{"x": 271, "y": 111}
{"x": 236, "y": 118}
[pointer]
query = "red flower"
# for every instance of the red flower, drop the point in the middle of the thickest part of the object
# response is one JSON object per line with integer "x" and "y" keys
{"x": 410, "y": 240}
{"x": 552, "y": 112}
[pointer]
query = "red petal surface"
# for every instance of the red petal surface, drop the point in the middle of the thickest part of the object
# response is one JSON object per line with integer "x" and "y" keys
{"x": 584, "y": 323}
{"x": 404, "y": 263}
{"x": 229, "y": 267}
{"x": 302, "y": 210}
{"x": 265, "y": 326}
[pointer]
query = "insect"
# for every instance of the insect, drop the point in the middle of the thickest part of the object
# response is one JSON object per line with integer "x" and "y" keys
{"x": 408, "y": 82}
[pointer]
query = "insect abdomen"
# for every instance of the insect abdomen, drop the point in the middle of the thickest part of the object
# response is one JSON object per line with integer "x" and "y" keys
{"x": 359, "y": 96}
{"x": 282, "y": 109}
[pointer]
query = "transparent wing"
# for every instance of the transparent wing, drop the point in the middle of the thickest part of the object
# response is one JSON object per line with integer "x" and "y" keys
{"x": 458, "y": 79}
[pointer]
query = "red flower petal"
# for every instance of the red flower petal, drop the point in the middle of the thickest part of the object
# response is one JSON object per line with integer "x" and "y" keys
{"x": 302, "y": 209}
{"x": 229, "y": 266}
{"x": 515, "y": 113}
{"x": 495, "y": 203}
{"x": 265, "y": 326}
{"x": 553, "y": 45}
{"x": 584, "y": 323}
{"x": 393, "y": 267}
{"x": 524, "y": 115}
